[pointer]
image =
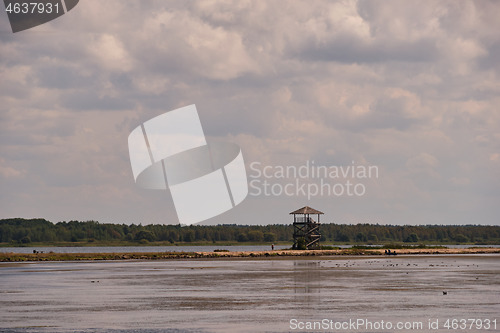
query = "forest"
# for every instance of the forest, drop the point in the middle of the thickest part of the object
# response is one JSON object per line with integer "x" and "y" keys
{"x": 25, "y": 232}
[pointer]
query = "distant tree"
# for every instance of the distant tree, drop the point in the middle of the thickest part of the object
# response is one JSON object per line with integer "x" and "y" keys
{"x": 242, "y": 237}
{"x": 188, "y": 236}
{"x": 172, "y": 236}
{"x": 144, "y": 234}
{"x": 461, "y": 238}
{"x": 26, "y": 240}
{"x": 413, "y": 238}
{"x": 15, "y": 230}
{"x": 301, "y": 244}
{"x": 255, "y": 236}
{"x": 361, "y": 237}
{"x": 342, "y": 237}
{"x": 269, "y": 237}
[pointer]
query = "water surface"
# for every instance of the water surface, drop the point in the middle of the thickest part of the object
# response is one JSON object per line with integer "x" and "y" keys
{"x": 131, "y": 249}
{"x": 173, "y": 248}
{"x": 247, "y": 295}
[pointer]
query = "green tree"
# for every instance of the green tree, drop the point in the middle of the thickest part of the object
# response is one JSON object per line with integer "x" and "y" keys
{"x": 173, "y": 236}
{"x": 301, "y": 244}
{"x": 361, "y": 237}
{"x": 188, "y": 236}
{"x": 26, "y": 240}
{"x": 342, "y": 237}
{"x": 269, "y": 237}
{"x": 413, "y": 238}
{"x": 255, "y": 236}
{"x": 461, "y": 238}
{"x": 144, "y": 235}
{"x": 242, "y": 237}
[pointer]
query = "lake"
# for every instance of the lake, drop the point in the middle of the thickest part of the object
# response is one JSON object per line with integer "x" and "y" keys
{"x": 130, "y": 249}
{"x": 173, "y": 248}
{"x": 253, "y": 295}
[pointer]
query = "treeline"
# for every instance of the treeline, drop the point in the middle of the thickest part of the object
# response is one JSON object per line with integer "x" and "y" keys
{"x": 26, "y": 231}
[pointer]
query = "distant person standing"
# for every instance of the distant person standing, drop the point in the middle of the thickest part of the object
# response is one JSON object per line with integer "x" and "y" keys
{"x": 272, "y": 247}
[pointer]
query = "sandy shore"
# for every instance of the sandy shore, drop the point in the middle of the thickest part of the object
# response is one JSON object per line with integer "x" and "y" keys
{"x": 19, "y": 257}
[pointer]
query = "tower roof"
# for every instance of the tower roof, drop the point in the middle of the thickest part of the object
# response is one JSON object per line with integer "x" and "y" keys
{"x": 306, "y": 210}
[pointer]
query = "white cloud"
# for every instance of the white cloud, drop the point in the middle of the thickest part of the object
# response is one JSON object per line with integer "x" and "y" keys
{"x": 195, "y": 46}
{"x": 424, "y": 162}
{"x": 7, "y": 171}
{"x": 109, "y": 53}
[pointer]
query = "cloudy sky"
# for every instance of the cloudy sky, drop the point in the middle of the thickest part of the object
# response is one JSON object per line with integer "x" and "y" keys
{"x": 412, "y": 88}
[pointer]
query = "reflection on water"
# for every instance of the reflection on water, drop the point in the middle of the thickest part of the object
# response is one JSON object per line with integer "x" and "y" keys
{"x": 307, "y": 281}
{"x": 245, "y": 295}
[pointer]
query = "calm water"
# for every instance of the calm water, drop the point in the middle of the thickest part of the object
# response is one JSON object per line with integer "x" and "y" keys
{"x": 129, "y": 249}
{"x": 249, "y": 295}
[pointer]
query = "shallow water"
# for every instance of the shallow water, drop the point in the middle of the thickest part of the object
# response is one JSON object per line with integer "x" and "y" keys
{"x": 229, "y": 295}
{"x": 131, "y": 249}
{"x": 173, "y": 248}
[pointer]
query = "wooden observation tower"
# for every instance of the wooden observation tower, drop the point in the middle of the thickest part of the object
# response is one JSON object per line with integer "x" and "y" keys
{"x": 305, "y": 229}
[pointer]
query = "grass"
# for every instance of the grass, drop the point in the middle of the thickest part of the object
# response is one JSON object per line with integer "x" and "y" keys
{"x": 329, "y": 247}
{"x": 51, "y": 256}
{"x": 399, "y": 246}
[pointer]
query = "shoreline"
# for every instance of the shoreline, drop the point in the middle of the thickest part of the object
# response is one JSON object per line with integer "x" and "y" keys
{"x": 26, "y": 257}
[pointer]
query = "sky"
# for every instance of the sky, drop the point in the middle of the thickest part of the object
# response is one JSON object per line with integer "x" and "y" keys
{"x": 411, "y": 89}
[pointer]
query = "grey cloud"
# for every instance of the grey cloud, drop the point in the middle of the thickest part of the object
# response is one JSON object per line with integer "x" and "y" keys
{"x": 90, "y": 100}
{"x": 63, "y": 77}
{"x": 389, "y": 113}
{"x": 492, "y": 59}
{"x": 350, "y": 49}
